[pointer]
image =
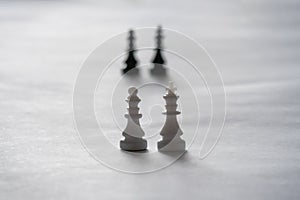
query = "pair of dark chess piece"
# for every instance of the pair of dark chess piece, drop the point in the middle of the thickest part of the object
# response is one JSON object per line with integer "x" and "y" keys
{"x": 158, "y": 61}
{"x": 171, "y": 132}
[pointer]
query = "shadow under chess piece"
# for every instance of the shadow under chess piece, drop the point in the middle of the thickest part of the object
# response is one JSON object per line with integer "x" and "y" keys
{"x": 131, "y": 62}
{"x": 133, "y": 132}
{"x": 171, "y": 132}
{"x": 158, "y": 60}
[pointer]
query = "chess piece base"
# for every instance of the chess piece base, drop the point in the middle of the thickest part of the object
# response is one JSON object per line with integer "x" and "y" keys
{"x": 158, "y": 70}
{"x": 177, "y": 145}
{"x": 133, "y": 71}
{"x": 139, "y": 145}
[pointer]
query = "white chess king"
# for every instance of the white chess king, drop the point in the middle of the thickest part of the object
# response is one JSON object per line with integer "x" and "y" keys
{"x": 133, "y": 132}
{"x": 171, "y": 132}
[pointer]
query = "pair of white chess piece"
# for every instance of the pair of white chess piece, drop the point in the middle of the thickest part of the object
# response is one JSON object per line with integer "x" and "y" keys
{"x": 171, "y": 132}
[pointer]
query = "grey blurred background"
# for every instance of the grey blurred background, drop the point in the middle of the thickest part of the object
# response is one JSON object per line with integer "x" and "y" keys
{"x": 256, "y": 45}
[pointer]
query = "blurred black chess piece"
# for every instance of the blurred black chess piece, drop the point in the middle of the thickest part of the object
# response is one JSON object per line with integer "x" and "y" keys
{"x": 158, "y": 60}
{"x": 131, "y": 62}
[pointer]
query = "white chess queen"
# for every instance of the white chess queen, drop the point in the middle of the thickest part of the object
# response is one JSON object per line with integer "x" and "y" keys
{"x": 133, "y": 132}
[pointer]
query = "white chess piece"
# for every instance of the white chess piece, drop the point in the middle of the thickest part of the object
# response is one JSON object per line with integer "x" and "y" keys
{"x": 133, "y": 132}
{"x": 171, "y": 132}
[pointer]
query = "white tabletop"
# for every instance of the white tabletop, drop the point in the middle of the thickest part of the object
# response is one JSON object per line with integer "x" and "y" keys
{"x": 256, "y": 47}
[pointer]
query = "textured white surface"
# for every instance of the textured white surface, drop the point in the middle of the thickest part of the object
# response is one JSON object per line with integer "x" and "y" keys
{"x": 256, "y": 46}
